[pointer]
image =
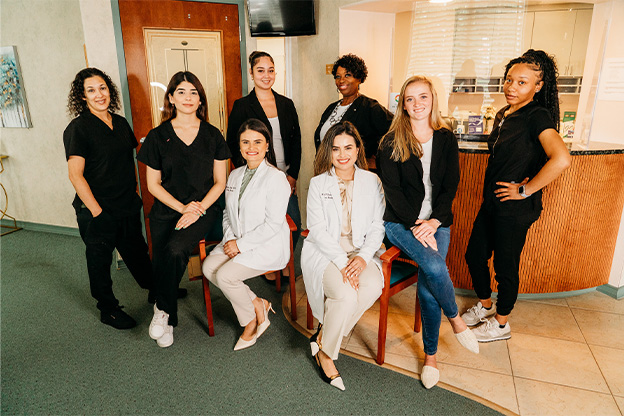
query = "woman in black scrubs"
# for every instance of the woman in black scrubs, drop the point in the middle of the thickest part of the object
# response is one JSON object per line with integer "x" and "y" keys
{"x": 278, "y": 113}
{"x": 99, "y": 149}
{"x": 526, "y": 154}
{"x": 370, "y": 118}
{"x": 186, "y": 161}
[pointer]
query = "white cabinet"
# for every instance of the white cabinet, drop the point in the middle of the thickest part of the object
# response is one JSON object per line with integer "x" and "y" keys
{"x": 563, "y": 33}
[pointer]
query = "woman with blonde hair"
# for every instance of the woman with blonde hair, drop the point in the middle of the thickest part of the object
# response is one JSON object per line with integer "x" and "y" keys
{"x": 419, "y": 168}
{"x": 340, "y": 259}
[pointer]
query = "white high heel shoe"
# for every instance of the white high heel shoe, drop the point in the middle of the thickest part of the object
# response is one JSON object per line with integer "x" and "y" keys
{"x": 429, "y": 376}
{"x": 241, "y": 344}
{"x": 265, "y": 324}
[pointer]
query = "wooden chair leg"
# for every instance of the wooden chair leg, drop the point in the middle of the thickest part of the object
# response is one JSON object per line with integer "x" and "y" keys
{"x": 384, "y": 300}
{"x": 208, "y": 306}
{"x": 278, "y": 281}
{"x": 293, "y": 297}
{"x": 417, "y": 316}
{"x": 309, "y": 317}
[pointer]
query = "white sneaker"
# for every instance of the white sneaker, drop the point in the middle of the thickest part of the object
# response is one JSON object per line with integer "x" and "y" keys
{"x": 158, "y": 324}
{"x": 491, "y": 331}
{"x": 477, "y": 313}
{"x": 167, "y": 338}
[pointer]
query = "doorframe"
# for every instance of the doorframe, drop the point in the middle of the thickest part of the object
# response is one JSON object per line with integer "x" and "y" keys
{"x": 121, "y": 55}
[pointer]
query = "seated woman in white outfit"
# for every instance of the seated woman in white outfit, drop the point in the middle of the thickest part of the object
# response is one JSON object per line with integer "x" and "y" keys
{"x": 255, "y": 233}
{"x": 340, "y": 259}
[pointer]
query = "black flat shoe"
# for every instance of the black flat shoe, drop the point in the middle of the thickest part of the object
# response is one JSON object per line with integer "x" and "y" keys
{"x": 117, "y": 318}
{"x": 335, "y": 380}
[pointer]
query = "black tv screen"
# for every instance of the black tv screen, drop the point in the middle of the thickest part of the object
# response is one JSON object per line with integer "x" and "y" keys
{"x": 281, "y": 17}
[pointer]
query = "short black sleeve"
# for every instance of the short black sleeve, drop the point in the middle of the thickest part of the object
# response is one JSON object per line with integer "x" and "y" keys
{"x": 540, "y": 120}
{"x": 149, "y": 152}
{"x": 75, "y": 142}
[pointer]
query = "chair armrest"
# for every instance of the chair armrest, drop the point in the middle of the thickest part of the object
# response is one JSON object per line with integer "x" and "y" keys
{"x": 202, "y": 249}
{"x": 305, "y": 233}
{"x": 390, "y": 255}
{"x": 291, "y": 223}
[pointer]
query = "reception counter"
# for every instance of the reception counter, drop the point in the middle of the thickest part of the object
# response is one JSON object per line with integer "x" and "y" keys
{"x": 571, "y": 246}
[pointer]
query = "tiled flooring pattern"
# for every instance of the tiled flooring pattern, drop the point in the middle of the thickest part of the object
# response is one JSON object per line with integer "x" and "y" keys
{"x": 565, "y": 356}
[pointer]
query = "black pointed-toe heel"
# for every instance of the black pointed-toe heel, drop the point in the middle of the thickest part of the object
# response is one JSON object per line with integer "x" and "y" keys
{"x": 335, "y": 380}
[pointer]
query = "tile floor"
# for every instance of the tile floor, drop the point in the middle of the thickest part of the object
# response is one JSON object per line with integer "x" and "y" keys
{"x": 565, "y": 356}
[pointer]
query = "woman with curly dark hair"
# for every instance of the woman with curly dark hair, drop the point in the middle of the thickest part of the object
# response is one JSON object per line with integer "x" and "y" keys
{"x": 99, "y": 149}
{"x": 371, "y": 119}
{"x": 526, "y": 154}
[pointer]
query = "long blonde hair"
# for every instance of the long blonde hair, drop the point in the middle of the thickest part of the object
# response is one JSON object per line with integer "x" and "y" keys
{"x": 404, "y": 143}
{"x": 323, "y": 160}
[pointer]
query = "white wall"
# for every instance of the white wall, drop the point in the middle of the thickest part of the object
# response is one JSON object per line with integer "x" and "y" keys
{"x": 49, "y": 39}
{"x": 369, "y": 35}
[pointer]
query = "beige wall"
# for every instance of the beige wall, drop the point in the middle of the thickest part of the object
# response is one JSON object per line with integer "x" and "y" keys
{"x": 369, "y": 35}
{"x": 49, "y": 39}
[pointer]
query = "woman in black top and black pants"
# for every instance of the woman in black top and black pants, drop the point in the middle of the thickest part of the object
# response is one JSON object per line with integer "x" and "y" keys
{"x": 278, "y": 113}
{"x": 186, "y": 161}
{"x": 370, "y": 118}
{"x": 526, "y": 154}
{"x": 99, "y": 148}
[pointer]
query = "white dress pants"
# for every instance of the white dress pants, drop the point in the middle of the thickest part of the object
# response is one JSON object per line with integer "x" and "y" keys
{"x": 229, "y": 276}
{"x": 344, "y": 305}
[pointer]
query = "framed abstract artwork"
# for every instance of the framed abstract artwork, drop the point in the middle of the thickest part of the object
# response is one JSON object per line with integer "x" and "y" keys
{"x": 13, "y": 105}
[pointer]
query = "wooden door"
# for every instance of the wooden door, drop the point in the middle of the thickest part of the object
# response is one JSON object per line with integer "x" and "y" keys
{"x": 138, "y": 15}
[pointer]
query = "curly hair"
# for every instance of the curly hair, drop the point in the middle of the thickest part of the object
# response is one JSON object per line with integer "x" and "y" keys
{"x": 548, "y": 95}
{"x": 76, "y": 103}
{"x": 169, "y": 111}
{"x": 323, "y": 161}
{"x": 353, "y": 64}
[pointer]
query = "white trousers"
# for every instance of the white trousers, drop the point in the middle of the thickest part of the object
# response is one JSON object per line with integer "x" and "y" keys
{"x": 344, "y": 306}
{"x": 229, "y": 276}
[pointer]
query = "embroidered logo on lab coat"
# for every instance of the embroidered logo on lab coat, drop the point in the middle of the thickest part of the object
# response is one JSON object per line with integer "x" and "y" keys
{"x": 230, "y": 188}
{"x": 327, "y": 195}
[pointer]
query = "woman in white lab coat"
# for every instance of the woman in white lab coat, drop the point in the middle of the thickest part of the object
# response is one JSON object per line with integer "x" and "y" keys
{"x": 255, "y": 233}
{"x": 340, "y": 259}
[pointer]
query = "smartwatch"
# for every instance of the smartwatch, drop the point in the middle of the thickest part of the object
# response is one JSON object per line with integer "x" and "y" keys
{"x": 522, "y": 191}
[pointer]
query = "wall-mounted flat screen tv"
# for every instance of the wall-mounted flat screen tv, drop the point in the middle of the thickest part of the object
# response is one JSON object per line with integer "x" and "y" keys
{"x": 281, "y": 17}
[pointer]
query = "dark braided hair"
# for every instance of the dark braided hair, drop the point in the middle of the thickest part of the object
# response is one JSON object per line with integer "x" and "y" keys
{"x": 352, "y": 63}
{"x": 76, "y": 103}
{"x": 548, "y": 95}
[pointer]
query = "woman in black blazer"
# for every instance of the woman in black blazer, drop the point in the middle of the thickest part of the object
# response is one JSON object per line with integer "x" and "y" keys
{"x": 278, "y": 113}
{"x": 419, "y": 167}
{"x": 371, "y": 119}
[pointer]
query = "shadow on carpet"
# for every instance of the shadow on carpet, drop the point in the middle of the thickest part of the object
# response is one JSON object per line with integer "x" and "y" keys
{"x": 57, "y": 358}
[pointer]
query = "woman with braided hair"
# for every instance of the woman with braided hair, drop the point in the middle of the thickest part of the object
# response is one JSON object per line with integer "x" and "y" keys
{"x": 526, "y": 154}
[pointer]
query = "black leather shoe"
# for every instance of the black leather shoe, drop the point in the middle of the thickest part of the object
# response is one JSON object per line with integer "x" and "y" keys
{"x": 151, "y": 296}
{"x": 334, "y": 381}
{"x": 117, "y": 319}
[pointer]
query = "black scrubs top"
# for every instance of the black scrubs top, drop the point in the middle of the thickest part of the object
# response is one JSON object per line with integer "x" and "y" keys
{"x": 516, "y": 153}
{"x": 186, "y": 171}
{"x": 109, "y": 162}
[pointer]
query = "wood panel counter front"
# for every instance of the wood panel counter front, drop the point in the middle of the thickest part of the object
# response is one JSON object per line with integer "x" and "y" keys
{"x": 571, "y": 246}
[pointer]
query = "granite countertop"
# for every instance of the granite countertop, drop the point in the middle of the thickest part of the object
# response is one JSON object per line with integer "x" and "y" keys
{"x": 594, "y": 148}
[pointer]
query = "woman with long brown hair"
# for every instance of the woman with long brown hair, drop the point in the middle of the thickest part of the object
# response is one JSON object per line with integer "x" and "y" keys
{"x": 340, "y": 258}
{"x": 186, "y": 173}
{"x": 419, "y": 168}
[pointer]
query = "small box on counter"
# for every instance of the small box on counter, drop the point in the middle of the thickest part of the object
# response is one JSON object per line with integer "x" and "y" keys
{"x": 567, "y": 127}
{"x": 475, "y": 124}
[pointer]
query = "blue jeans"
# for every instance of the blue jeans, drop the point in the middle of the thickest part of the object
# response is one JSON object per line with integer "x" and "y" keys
{"x": 435, "y": 289}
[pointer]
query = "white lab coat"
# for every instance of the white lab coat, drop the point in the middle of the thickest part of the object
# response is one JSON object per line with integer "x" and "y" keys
{"x": 258, "y": 223}
{"x": 324, "y": 223}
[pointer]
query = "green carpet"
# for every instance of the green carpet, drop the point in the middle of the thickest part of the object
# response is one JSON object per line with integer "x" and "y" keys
{"x": 57, "y": 358}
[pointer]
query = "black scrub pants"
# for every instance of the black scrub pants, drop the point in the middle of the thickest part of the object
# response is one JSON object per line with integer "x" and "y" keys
{"x": 172, "y": 249}
{"x": 505, "y": 237}
{"x": 101, "y": 236}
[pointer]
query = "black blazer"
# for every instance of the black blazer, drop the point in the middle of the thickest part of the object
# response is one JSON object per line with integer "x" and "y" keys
{"x": 370, "y": 118}
{"x": 403, "y": 181}
{"x": 249, "y": 107}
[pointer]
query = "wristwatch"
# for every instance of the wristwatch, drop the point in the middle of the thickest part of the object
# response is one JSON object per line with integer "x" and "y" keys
{"x": 522, "y": 191}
